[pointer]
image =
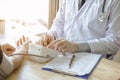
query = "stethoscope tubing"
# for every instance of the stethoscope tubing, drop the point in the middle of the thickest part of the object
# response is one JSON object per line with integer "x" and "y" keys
{"x": 103, "y": 8}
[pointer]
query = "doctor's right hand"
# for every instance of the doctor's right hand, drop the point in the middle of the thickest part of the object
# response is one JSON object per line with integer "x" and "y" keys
{"x": 45, "y": 39}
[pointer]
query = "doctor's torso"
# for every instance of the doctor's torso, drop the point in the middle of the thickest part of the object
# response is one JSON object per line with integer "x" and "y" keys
{"x": 83, "y": 24}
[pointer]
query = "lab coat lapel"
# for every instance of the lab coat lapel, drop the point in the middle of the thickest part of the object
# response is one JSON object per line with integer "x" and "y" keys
{"x": 81, "y": 12}
{"x": 72, "y": 22}
{"x": 84, "y": 8}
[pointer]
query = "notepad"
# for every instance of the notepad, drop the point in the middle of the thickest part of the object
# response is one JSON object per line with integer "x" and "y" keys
{"x": 82, "y": 66}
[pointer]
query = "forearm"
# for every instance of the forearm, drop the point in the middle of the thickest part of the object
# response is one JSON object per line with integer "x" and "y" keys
{"x": 6, "y": 65}
{"x": 108, "y": 45}
{"x": 16, "y": 59}
{"x": 9, "y": 64}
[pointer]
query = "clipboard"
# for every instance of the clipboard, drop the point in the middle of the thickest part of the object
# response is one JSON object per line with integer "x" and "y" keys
{"x": 82, "y": 67}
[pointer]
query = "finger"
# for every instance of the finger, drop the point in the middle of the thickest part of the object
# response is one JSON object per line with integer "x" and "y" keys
{"x": 21, "y": 42}
{"x": 61, "y": 48}
{"x": 18, "y": 43}
{"x": 50, "y": 39}
{"x": 53, "y": 43}
{"x": 41, "y": 42}
{"x": 60, "y": 44}
{"x": 45, "y": 40}
{"x": 66, "y": 49}
{"x": 26, "y": 41}
{"x": 63, "y": 52}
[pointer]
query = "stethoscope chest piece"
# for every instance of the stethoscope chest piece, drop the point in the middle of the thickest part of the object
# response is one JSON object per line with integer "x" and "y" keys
{"x": 102, "y": 18}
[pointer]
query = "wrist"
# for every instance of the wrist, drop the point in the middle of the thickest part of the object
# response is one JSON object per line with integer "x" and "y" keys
{"x": 84, "y": 47}
{"x": 76, "y": 48}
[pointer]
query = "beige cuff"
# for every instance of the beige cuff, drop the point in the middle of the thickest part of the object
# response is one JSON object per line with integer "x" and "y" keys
{"x": 84, "y": 47}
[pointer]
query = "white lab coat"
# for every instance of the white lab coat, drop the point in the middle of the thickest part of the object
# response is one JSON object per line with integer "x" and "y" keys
{"x": 84, "y": 24}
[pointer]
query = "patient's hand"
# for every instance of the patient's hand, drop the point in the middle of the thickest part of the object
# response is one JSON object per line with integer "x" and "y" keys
{"x": 7, "y": 48}
{"x": 22, "y": 44}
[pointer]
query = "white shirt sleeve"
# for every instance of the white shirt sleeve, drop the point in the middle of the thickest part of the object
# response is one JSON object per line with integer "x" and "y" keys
{"x": 6, "y": 66}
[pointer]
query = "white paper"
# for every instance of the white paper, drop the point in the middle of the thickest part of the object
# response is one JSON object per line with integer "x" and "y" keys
{"x": 83, "y": 63}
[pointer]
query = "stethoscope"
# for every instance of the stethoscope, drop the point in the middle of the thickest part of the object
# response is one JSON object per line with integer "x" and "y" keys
{"x": 103, "y": 15}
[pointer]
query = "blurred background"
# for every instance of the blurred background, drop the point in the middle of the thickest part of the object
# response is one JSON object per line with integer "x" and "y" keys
{"x": 26, "y": 17}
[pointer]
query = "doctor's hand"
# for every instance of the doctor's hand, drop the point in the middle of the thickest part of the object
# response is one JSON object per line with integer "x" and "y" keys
{"x": 63, "y": 46}
{"x": 45, "y": 39}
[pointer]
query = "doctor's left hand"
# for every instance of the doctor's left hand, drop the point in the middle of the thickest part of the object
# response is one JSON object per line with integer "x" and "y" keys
{"x": 63, "y": 46}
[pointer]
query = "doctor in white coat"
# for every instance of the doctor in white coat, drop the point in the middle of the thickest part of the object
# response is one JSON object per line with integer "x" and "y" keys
{"x": 86, "y": 25}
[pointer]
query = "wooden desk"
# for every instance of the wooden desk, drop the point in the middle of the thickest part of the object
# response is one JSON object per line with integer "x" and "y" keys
{"x": 30, "y": 70}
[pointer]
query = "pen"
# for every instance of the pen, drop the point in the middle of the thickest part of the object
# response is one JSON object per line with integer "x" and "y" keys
{"x": 71, "y": 61}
